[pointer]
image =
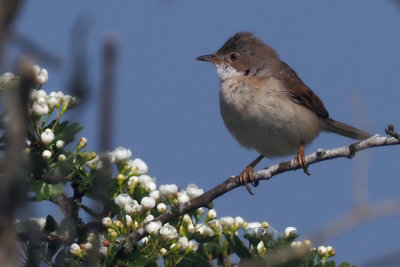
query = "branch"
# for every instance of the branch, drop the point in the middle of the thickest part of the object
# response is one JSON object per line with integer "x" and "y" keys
{"x": 265, "y": 174}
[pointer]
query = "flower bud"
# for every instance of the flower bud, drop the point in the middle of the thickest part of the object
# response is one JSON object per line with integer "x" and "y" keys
{"x": 161, "y": 207}
{"x": 211, "y": 214}
{"x": 62, "y": 158}
{"x": 46, "y": 154}
{"x": 47, "y": 136}
{"x": 60, "y": 144}
{"x": 321, "y": 250}
{"x": 82, "y": 143}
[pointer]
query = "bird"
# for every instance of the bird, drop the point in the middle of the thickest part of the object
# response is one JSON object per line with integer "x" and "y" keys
{"x": 266, "y": 106}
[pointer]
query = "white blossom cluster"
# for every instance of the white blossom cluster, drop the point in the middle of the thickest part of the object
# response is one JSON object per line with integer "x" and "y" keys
{"x": 43, "y": 103}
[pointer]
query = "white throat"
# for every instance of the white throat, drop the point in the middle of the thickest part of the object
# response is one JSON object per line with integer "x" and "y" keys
{"x": 226, "y": 71}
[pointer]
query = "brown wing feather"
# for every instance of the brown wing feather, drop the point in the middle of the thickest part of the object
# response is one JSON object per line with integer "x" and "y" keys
{"x": 300, "y": 93}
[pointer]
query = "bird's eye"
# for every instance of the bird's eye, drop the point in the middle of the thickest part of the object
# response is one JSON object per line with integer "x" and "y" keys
{"x": 234, "y": 56}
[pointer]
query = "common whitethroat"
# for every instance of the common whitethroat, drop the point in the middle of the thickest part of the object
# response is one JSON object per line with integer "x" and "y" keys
{"x": 266, "y": 106}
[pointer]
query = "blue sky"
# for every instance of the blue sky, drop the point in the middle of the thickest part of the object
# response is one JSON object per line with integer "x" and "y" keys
{"x": 166, "y": 103}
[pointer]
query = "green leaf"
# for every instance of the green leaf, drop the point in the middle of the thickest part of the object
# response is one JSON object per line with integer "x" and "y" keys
{"x": 41, "y": 189}
{"x": 238, "y": 246}
{"x": 346, "y": 264}
{"x": 66, "y": 131}
{"x": 204, "y": 239}
{"x": 194, "y": 260}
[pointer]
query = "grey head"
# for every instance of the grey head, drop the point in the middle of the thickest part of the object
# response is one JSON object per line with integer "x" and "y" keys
{"x": 246, "y": 54}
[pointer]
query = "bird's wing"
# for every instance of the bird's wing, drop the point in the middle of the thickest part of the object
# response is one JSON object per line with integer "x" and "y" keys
{"x": 300, "y": 93}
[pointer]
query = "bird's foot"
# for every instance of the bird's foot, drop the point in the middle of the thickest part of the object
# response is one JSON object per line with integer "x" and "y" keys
{"x": 247, "y": 176}
{"x": 300, "y": 161}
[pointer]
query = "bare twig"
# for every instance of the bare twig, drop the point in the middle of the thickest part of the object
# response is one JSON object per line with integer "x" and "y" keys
{"x": 266, "y": 174}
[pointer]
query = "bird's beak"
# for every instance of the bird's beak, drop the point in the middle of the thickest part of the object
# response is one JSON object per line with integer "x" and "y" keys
{"x": 209, "y": 58}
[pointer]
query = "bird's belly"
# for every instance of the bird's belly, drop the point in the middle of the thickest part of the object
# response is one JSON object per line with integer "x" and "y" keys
{"x": 273, "y": 127}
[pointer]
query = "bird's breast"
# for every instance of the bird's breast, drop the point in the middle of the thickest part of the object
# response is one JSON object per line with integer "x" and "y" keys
{"x": 261, "y": 116}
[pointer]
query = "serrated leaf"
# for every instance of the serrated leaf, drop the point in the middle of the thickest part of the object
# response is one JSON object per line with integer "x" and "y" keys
{"x": 346, "y": 264}
{"x": 238, "y": 247}
{"x": 66, "y": 131}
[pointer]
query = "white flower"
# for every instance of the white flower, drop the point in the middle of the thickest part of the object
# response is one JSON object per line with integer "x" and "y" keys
{"x": 148, "y": 203}
{"x": 46, "y": 154}
{"x": 132, "y": 207}
{"x": 211, "y": 214}
{"x": 138, "y": 166}
{"x": 60, "y": 144}
{"x": 190, "y": 228}
{"x": 291, "y": 232}
{"x": 153, "y": 227}
{"x": 321, "y": 250}
{"x": 53, "y": 101}
{"x": 226, "y": 222}
{"x": 147, "y": 182}
{"x": 88, "y": 246}
{"x": 186, "y": 219}
{"x": 273, "y": 233}
{"x": 260, "y": 247}
{"x": 91, "y": 237}
{"x": 168, "y": 232}
{"x": 92, "y": 164}
{"x": 183, "y": 242}
{"x": 66, "y": 100}
{"x": 128, "y": 220}
{"x": 200, "y": 211}
{"x": 145, "y": 240}
{"x": 75, "y": 249}
{"x": 214, "y": 224}
{"x": 155, "y": 195}
{"x": 41, "y": 74}
{"x": 123, "y": 199}
{"x": 148, "y": 218}
{"x": 122, "y": 154}
{"x": 168, "y": 189}
{"x": 40, "y": 109}
{"x": 103, "y": 250}
{"x": 238, "y": 221}
{"x": 193, "y": 245}
{"x": 161, "y": 207}
{"x": 107, "y": 222}
{"x": 163, "y": 251}
{"x": 205, "y": 230}
{"x": 252, "y": 228}
{"x": 183, "y": 197}
{"x": 47, "y": 136}
{"x": 6, "y": 77}
{"x": 193, "y": 191}
{"x": 250, "y": 232}
{"x": 62, "y": 158}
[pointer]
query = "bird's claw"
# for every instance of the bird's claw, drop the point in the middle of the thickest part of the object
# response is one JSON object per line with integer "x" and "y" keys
{"x": 247, "y": 176}
{"x": 300, "y": 161}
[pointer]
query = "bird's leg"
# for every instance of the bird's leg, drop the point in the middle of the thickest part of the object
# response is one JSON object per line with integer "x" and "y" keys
{"x": 300, "y": 160}
{"x": 247, "y": 174}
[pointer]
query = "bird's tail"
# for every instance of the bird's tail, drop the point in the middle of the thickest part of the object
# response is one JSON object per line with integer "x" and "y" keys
{"x": 341, "y": 128}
